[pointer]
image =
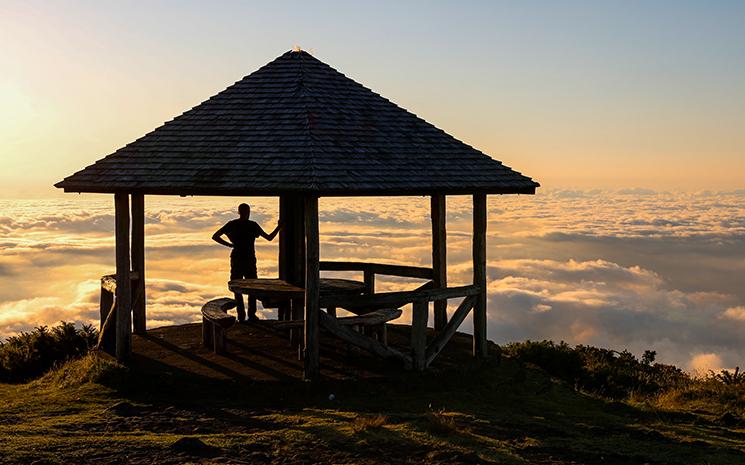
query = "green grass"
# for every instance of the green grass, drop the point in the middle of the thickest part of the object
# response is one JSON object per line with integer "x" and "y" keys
{"x": 92, "y": 410}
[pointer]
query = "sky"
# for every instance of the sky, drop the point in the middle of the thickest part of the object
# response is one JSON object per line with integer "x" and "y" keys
{"x": 591, "y": 94}
{"x": 630, "y": 115}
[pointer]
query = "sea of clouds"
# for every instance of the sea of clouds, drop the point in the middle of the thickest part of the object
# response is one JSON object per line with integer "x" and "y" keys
{"x": 630, "y": 269}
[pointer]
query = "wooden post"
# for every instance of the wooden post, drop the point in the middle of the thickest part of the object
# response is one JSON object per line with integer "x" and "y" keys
{"x": 219, "y": 344}
{"x": 298, "y": 240}
{"x": 312, "y": 290}
{"x": 297, "y": 264}
{"x": 108, "y": 337}
{"x": 207, "y": 330}
{"x": 439, "y": 258}
{"x": 138, "y": 263}
{"x": 123, "y": 283}
{"x": 284, "y": 260}
{"x": 369, "y": 278}
{"x": 420, "y": 312}
{"x": 479, "y": 275}
{"x": 292, "y": 239}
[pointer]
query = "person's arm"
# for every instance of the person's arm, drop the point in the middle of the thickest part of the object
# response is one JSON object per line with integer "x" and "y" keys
{"x": 272, "y": 235}
{"x": 217, "y": 237}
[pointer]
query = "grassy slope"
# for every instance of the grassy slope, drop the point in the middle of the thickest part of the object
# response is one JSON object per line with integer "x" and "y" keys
{"x": 495, "y": 413}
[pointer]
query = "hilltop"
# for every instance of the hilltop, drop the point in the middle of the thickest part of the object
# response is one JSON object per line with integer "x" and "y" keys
{"x": 501, "y": 410}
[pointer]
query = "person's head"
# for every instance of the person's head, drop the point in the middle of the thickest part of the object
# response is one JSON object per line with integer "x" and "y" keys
{"x": 244, "y": 210}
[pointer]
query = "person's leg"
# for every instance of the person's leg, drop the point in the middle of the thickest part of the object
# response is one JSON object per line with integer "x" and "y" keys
{"x": 236, "y": 273}
{"x": 251, "y": 273}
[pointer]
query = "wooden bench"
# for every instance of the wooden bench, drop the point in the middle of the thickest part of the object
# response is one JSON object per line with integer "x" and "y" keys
{"x": 375, "y": 320}
{"x": 215, "y": 323}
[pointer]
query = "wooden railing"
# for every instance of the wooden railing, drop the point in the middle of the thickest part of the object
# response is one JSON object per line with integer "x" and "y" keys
{"x": 369, "y": 270}
{"x": 379, "y": 268}
{"x": 386, "y": 299}
{"x": 107, "y": 329}
{"x": 422, "y": 354}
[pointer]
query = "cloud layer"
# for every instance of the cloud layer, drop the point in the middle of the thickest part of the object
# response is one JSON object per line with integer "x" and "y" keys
{"x": 626, "y": 269}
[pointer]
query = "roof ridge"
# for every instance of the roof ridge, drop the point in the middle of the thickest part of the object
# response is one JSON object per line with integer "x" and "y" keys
{"x": 301, "y": 87}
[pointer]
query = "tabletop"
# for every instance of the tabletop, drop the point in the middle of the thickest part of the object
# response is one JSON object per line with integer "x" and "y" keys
{"x": 274, "y": 288}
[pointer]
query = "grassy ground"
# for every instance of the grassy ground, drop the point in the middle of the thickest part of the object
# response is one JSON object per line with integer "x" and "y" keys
{"x": 94, "y": 411}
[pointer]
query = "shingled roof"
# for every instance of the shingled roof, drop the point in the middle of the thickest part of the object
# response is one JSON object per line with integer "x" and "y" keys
{"x": 298, "y": 125}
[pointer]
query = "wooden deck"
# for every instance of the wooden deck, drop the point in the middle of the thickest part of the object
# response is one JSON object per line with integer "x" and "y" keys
{"x": 256, "y": 352}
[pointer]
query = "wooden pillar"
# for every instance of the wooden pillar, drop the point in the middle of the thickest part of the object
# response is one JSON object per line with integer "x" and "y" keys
{"x": 298, "y": 240}
{"x": 286, "y": 235}
{"x": 420, "y": 312}
{"x": 292, "y": 251}
{"x": 292, "y": 239}
{"x": 284, "y": 261}
{"x": 107, "y": 337}
{"x": 369, "y": 278}
{"x": 479, "y": 275}
{"x": 312, "y": 290}
{"x": 439, "y": 258}
{"x": 138, "y": 263}
{"x": 283, "y": 257}
{"x": 123, "y": 283}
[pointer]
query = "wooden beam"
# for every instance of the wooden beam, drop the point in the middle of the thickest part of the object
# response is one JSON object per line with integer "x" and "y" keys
{"x": 399, "y": 298}
{"x": 123, "y": 283}
{"x": 369, "y": 344}
{"x": 311, "y": 367}
{"x": 439, "y": 258}
{"x": 442, "y": 338}
{"x": 419, "y": 317}
{"x": 139, "y": 318}
{"x": 379, "y": 268}
{"x": 480, "y": 347}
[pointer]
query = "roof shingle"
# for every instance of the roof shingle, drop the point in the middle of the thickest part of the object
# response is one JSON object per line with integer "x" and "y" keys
{"x": 298, "y": 125}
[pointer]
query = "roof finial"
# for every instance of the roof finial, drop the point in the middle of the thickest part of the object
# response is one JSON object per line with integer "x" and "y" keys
{"x": 297, "y": 49}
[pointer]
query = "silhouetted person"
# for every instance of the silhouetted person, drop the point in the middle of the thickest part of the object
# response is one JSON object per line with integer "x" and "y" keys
{"x": 242, "y": 233}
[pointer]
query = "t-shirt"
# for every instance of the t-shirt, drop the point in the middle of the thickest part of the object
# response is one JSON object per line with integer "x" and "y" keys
{"x": 243, "y": 234}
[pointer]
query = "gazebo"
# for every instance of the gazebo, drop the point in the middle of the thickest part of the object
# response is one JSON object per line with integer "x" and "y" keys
{"x": 298, "y": 129}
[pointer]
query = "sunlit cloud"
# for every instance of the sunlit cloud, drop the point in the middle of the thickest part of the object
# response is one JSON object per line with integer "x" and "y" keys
{"x": 701, "y": 364}
{"x": 735, "y": 313}
{"x": 630, "y": 270}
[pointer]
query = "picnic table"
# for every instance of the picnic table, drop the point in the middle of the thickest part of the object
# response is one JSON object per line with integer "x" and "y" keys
{"x": 289, "y": 299}
{"x": 273, "y": 292}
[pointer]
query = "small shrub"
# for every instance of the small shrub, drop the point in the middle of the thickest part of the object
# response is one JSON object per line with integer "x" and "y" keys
{"x": 730, "y": 378}
{"x": 368, "y": 422}
{"x": 438, "y": 422}
{"x": 30, "y": 354}
{"x": 605, "y": 372}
